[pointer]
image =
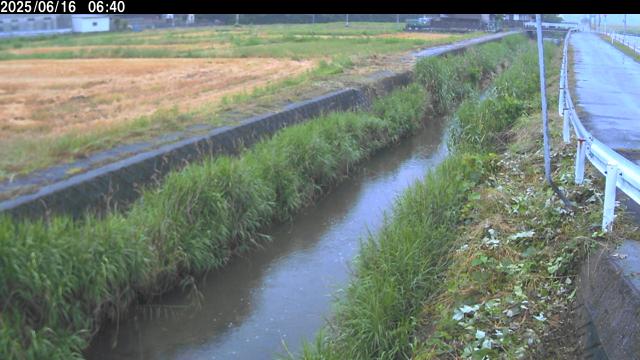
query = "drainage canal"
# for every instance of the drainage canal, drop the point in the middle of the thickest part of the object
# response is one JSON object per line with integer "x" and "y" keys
{"x": 282, "y": 293}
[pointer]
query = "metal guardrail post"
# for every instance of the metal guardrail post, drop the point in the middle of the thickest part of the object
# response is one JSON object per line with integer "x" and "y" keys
{"x": 609, "y": 197}
{"x": 581, "y": 152}
{"x": 566, "y": 126}
{"x": 561, "y": 94}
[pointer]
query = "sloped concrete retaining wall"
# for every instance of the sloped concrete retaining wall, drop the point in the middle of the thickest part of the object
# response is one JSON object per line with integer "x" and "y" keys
{"x": 609, "y": 304}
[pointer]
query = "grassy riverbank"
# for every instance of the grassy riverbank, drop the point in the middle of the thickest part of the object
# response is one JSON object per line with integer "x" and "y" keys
{"x": 61, "y": 278}
{"x": 394, "y": 307}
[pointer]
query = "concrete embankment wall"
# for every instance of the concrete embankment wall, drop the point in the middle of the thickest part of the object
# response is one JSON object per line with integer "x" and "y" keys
{"x": 608, "y": 311}
{"x": 117, "y": 184}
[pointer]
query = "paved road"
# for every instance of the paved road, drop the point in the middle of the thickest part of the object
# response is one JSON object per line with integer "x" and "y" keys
{"x": 607, "y": 93}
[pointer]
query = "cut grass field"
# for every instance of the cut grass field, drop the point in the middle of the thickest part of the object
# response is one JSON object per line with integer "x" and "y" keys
{"x": 65, "y": 97}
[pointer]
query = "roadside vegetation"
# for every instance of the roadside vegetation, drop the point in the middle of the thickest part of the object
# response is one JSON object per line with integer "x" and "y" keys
{"x": 480, "y": 259}
{"x": 120, "y": 88}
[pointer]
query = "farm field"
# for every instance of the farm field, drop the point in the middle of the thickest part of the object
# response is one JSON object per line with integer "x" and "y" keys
{"x": 64, "y": 97}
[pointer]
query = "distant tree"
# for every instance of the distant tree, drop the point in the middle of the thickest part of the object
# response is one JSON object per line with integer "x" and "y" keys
{"x": 554, "y": 18}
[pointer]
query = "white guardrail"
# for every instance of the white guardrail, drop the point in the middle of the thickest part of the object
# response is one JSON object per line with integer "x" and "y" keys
{"x": 630, "y": 41}
{"x": 620, "y": 172}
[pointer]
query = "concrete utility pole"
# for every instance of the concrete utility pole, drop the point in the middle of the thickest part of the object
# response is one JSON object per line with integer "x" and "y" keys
{"x": 543, "y": 97}
{"x": 545, "y": 119}
{"x": 237, "y": 19}
{"x": 347, "y": 23}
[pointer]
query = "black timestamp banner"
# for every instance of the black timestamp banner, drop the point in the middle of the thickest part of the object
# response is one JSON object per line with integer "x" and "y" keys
{"x": 63, "y": 7}
{"x": 108, "y": 7}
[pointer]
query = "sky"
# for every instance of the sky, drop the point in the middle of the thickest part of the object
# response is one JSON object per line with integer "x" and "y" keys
{"x": 632, "y": 19}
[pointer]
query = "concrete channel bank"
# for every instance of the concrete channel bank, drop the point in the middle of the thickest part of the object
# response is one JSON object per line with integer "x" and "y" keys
{"x": 118, "y": 183}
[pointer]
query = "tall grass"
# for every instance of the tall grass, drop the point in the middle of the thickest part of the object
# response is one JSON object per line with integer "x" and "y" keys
{"x": 479, "y": 122}
{"x": 399, "y": 269}
{"x": 453, "y": 77}
{"x": 60, "y": 278}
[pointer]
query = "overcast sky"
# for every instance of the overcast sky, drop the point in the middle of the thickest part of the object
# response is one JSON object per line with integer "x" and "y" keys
{"x": 632, "y": 19}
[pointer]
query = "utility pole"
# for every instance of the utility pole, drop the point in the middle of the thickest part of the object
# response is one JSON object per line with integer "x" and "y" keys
{"x": 237, "y": 19}
{"x": 599, "y": 22}
{"x": 397, "y": 18}
{"x": 347, "y": 23}
{"x": 543, "y": 97}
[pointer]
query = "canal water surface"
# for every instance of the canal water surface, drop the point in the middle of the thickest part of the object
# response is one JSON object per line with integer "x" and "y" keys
{"x": 281, "y": 293}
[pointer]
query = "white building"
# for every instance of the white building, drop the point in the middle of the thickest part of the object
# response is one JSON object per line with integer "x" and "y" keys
{"x": 33, "y": 25}
{"x": 89, "y": 23}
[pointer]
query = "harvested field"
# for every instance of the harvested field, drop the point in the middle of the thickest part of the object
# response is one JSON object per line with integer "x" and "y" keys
{"x": 56, "y": 96}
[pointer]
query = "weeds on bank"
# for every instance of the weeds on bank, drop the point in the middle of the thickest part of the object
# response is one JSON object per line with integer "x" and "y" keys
{"x": 511, "y": 285}
{"x": 454, "y": 77}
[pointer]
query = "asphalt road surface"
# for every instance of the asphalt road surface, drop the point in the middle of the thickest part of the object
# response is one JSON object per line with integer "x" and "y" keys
{"x": 607, "y": 93}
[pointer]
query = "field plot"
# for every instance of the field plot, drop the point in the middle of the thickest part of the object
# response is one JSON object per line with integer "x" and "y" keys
{"x": 64, "y": 97}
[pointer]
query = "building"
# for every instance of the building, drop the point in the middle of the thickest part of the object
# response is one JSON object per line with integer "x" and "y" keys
{"x": 89, "y": 23}
{"x": 463, "y": 22}
{"x": 482, "y": 18}
{"x": 520, "y": 17}
{"x": 517, "y": 21}
{"x": 34, "y": 24}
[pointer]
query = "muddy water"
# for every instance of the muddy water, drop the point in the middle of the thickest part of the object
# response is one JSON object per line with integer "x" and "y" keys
{"x": 282, "y": 293}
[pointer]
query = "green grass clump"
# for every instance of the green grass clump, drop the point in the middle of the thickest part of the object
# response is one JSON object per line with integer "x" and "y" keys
{"x": 480, "y": 122}
{"x": 60, "y": 278}
{"x": 400, "y": 269}
{"x": 453, "y": 77}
